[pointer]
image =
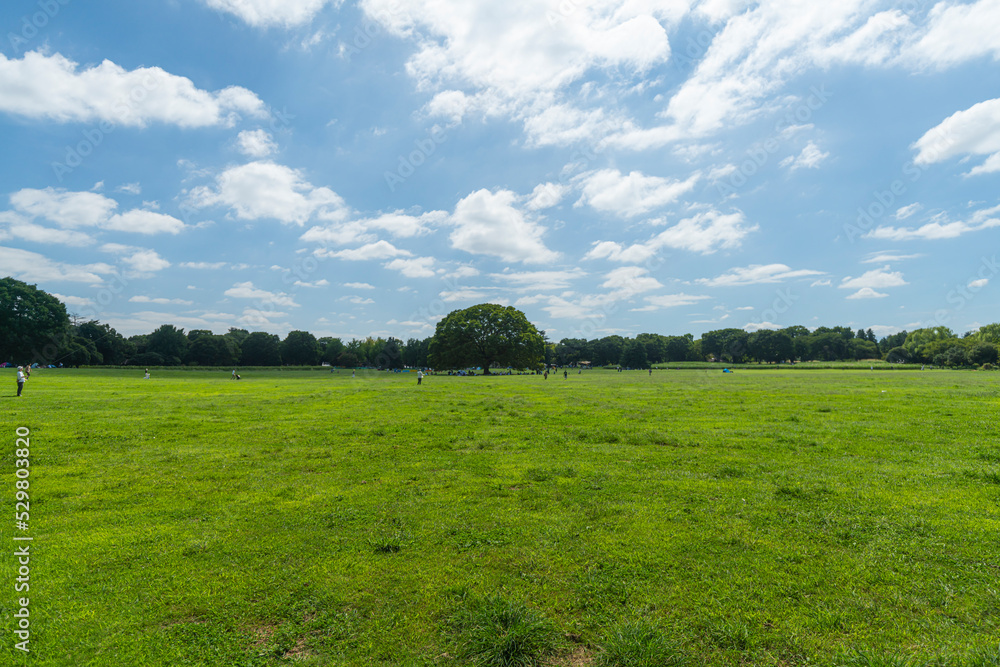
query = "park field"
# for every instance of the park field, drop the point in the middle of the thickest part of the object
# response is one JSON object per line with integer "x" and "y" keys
{"x": 691, "y": 517}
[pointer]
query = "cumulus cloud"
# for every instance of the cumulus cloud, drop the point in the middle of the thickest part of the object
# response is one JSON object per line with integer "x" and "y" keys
{"x": 370, "y": 251}
{"x": 941, "y": 228}
{"x": 867, "y": 293}
{"x": 54, "y": 87}
{"x": 663, "y": 301}
{"x": 632, "y": 194}
{"x": 90, "y": 209}
{"x": 810, "y": 158}
{"x": 874, "y": 279}
{"x": 974, "y": 131}
{"x": 417, "y": 267}
{"x": 255, "y": 143}
{"x": 265, "y": 13}
{"x": 757, "y": 274}
{"x": 266, "y": 190}
{"x": 489, "y": 223}
{"x": 246, "y": 290}
{"x": 538, "y": 280}
{"x": 139, "y": 262}
{"x": 33, "y": 267}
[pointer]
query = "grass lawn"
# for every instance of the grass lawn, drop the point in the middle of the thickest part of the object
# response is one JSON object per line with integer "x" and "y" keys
{"x": 786, "y": 517}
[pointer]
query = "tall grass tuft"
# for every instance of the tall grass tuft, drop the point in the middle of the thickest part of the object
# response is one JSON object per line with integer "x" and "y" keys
{"x": 497, "y": 632}
{"x": 640, "y": 644}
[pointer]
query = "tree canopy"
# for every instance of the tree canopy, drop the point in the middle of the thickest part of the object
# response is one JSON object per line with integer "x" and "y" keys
{"x": 486, "y": 335}
{"x": 30, "y": 321}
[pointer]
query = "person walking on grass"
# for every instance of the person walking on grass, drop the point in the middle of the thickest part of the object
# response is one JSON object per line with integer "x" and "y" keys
{"x": 20, "y": 379}
{"x": 420, "y": 377}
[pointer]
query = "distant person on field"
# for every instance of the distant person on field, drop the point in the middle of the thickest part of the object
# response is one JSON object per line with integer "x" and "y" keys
{"x": 234, "y": 374}
{"x": 146, "y": 377}
{"x": 565, "y": 375}
{"x": 420, "y": 377}
{"x": 20, "y": 379}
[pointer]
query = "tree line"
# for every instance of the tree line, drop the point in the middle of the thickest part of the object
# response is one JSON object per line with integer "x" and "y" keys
{"x": 35, "y": 327}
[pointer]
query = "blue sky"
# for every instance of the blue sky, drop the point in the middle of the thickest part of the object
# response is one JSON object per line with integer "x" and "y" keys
{"x": 364, "y": 168}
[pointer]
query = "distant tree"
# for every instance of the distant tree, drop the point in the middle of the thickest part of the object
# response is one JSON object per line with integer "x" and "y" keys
{"x": 330, "y": 349}
{"x": 770, "y": 346}
{"x": 953, "y": 356}
{"x": 989, "y": 333}
{"x": 830, "y": 345}
{"x": 33, "y": 323}
{"x": 486, "y": 335}
{"x": 634, "y": 355}
{"x": 607, "y": 350}
{"x": 680, "y": 348}
{"x": 234, "y": 341}
{"x": 897, "y": 355}
{"x": 112, "y": 346}
{"x": 983, "y": 353}
{"x": 862, "y": 348}
{"x": 195, "y": 333}
{"x": 170, "y": 343}
{"x": 300, "y": 349}
{"x": 725, "y": 344}
{"x": 415, "y": 352}
{"x": 891, "y": 341}
{"x": 919, "y": 339}
{"x": 211, "y": 350}
{"x": 570, "y": 350}
{"x": 348, "y": 360}
{"x": 261, "y": 349}
{"x": 391, "y": 354}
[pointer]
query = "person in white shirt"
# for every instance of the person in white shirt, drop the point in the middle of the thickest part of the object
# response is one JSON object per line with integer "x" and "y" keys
{"x": 20, "y": 380}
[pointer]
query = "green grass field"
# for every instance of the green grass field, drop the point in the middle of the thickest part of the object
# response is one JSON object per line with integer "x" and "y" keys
{"x": 785, "y": 517}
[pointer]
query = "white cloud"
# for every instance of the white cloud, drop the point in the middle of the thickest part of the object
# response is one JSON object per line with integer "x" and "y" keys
{"x": 704, "y": 232}
{"x": 377, "y": 250}
{"x": 323, "y": 282}
{"x": 202, "y": 265}
{"x": 159, "y": 300}
{"x": 955, "y": 33}
{"x": 546, "y": 195}
{"x": 867, "y": 293}
{"x": 539, "y": 280}
{"x": 669, "y": 301}
{"x": 630, "y": 195}
{"x": 885, "y": 257}
{"x": 628, "y": 281}
{"x": 53, "y": 87}
{"x": 66, "y": 209}
{"x": 265, "y": 190}
{"x": 35, "y": 268}
{"x": 130, "y": 188}
{"x": 940, "y": 229}
{"x": 757, "y": 274}
{"x": 89, "y": 209}
{"x": 979, "y": 284}
{"x": 39, "y": 234}
{"x": 247, "y": 290}
{"x": 359, "y": 286}
{"x": 141, "y": 262}
{"x": 264, "y": 13}
{"x": 74, "y": 301}
{"x": 876, "y": 278}
{"x": 810, "y": 158}
{"x": 144, "y": 222}
{"x": 418, "y": 267}
{"x": 255, "y": 143}
{"x": 906, "y": 211}
{"x": 476, "y": 294}
{"x": 488, "y": 223}
{"x": 401, "y": 225}
{"x": 974, "y": 131}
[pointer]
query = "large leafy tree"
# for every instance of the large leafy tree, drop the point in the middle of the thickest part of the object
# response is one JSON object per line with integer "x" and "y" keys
{"x": 32, "y": 323}
{"x": 211, "y": 350}
{"x": 112, "y": 348}
{"x": 486, "y": 335}
{"x": 170, "y": 343}
{"x": 727, "y": 344}
{"x": 300, "y": 349}
{"x": 261, "y": 349}
{"x": 770, "y": 346}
